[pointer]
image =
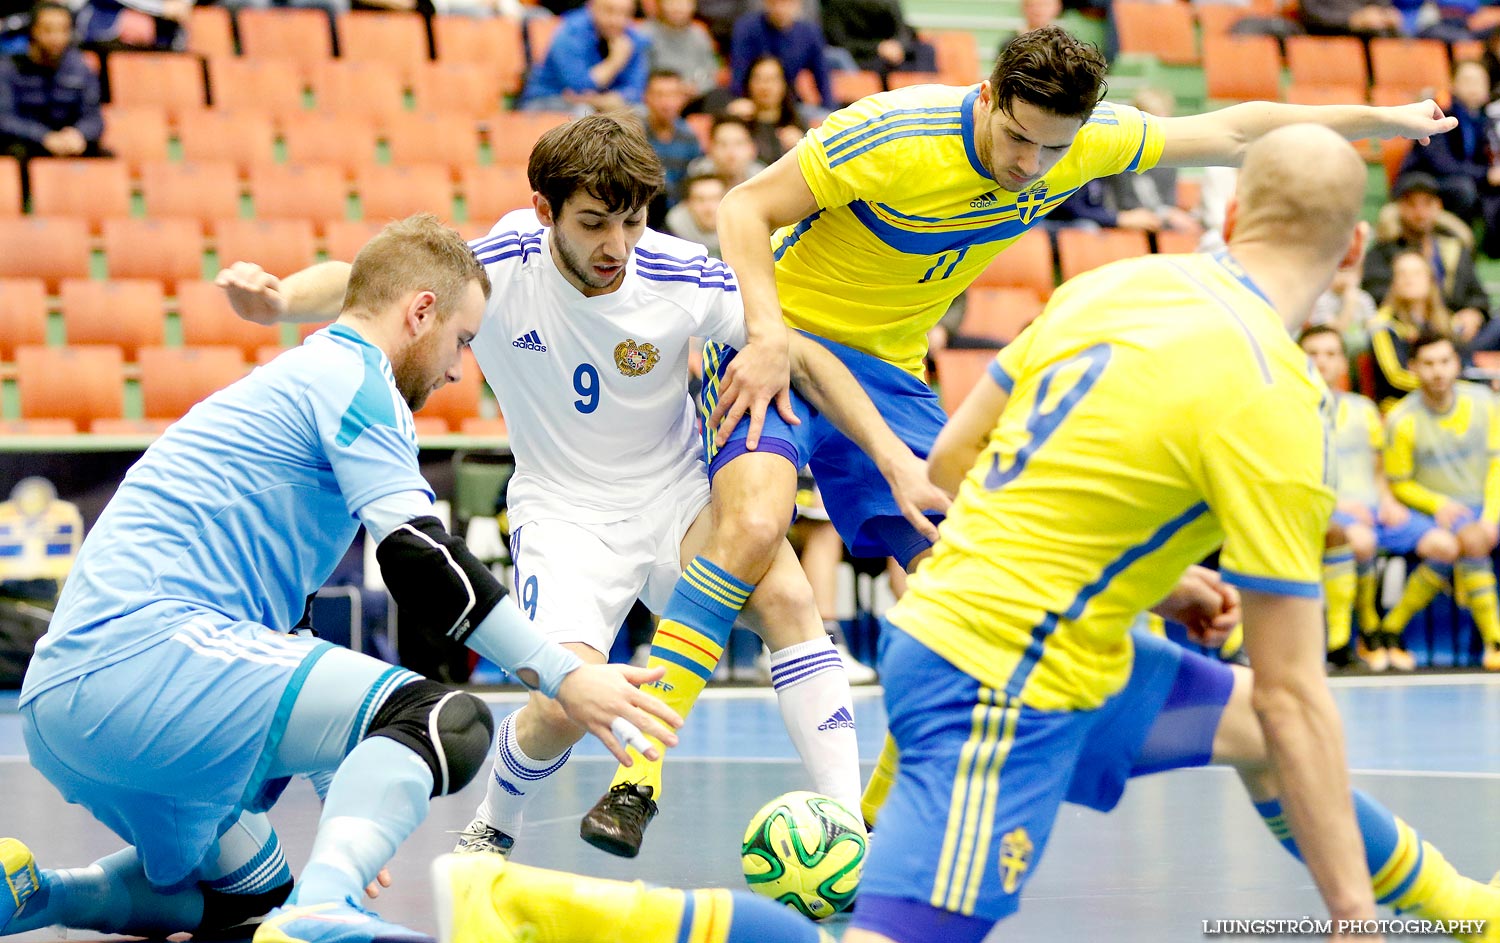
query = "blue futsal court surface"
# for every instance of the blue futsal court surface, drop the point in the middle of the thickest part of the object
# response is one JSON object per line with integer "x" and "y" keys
{"x": 1182, "y": 847}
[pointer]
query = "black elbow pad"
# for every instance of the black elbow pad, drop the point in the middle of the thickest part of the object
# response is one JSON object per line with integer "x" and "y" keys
{"x": 439, "y": 585}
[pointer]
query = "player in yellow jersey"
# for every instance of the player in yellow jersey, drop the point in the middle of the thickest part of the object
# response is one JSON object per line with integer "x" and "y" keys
{"x": 1443, "y": 458}
{"x": 1368, "y": 517}
{"x": 1157, "y": 409}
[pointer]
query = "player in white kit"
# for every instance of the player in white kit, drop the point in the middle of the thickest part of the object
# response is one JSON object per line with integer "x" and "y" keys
{"x": 585, "y": 342}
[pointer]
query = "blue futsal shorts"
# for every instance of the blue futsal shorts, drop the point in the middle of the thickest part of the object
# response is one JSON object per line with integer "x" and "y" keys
{"x": 981, "y": 777}
{"x": 858, "y": 500}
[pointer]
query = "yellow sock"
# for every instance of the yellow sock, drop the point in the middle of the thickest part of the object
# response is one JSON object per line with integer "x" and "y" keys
{"x": 1425, "y": 582}
{"x": 689, "y": 641}
{"x": 1339, "y": 587}
{"x": 1478, "y": 581}
{"x": 1418, "y": 880}
{"x": 1368, "y": 587}
{"x": 881, "y": 781}
{"x": 492, "y": 899}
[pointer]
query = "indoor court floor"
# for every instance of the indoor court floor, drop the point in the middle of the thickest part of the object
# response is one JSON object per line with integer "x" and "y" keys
{"x": 1182, "y": 848}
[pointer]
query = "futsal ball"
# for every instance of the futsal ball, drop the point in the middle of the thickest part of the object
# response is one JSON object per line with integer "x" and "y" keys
{"x": 806, "y": 851}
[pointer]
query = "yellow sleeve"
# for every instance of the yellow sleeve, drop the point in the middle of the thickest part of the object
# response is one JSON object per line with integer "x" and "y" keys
{"x": 1400, "y": 465}
{"x": 1491, "y": 511}
{"x": 1265, "y": 480}
{"x": 863, "y": 151}
{"x": 1118, "y": 139}
{"x": 1372, "y": 422}
{"x": 1010, "y": 364}
{"x": 1389, "y": 363}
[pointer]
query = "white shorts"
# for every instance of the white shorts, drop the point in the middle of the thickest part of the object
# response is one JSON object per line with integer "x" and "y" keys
{"x": 579, "y": 581}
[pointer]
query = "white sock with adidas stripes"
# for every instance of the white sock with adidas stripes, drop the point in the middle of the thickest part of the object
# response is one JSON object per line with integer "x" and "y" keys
{"x": 813, "y": 693}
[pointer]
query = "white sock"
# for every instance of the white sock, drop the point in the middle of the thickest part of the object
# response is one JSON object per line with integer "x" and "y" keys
{"x": 514, "y": 779}
{"x": 813, "y": 693}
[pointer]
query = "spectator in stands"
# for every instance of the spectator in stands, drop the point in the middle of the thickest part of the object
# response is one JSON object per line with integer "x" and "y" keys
{"x": 597, "y": 62}
{"x": 49, "y": 97}
{"x": 696, "y": 217}
{"x": 1346, "y": 308}
{"x": 1363, "y": 18}
{"x": 876, "y": 36}
{"x": 675, "y": 143}
{"x": 1155, "y": 189}
{"x": 1092, "y": 206}
{"x": 1413, "y": 304}
{"x": 770, "y": 109}
{"x": 683, "y": 45}
{"x": 781, "y": 32}
{"x": 108, "y": 25}
{"x": 1464, "y": 161}
{"x": 731, "y": 153}
{"x": 1418, "y": 230}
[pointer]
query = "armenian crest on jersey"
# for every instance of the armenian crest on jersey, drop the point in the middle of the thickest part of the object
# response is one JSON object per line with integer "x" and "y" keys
{"x": 634, "y": 359}
{"x": 1029, "y": 203}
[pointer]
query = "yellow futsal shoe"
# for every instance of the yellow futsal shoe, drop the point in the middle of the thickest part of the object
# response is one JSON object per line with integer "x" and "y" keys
{"x": 21, "y": 879}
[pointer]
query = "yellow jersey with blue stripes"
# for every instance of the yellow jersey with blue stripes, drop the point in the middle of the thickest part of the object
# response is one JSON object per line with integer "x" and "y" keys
{"x": 1358, "y": 438}
{"x": 1434, "y": 458}
{"x": 1158, "y": 410}
{"x": 909, "y": 217}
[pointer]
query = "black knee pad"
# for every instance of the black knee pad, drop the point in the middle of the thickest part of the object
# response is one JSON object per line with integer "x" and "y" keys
{"x": 450, "y": 730}
{"x": 222, "y": 911}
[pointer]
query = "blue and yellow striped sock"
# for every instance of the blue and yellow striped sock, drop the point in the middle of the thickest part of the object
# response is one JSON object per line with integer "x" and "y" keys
{"x": 1339, "y": 588}
{"x": 689, "y": 641}
{"x": 1407, "y": 873}
{"x": 1425, "y": 582}
{"x": 1368, "y": 589}
{"x": 1474, "y": 578}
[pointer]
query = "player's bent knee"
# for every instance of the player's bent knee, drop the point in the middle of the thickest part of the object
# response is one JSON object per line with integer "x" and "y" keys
{"x": 783, "y": 610}
{"x": 222, "y": 911}
{"x": 1362, "y": 542}
{"x": 1438, "y": 546}
{"x": 450, "y": 730}
{"x": 1474, "y": 542}
{"x": 1335, "y": 536}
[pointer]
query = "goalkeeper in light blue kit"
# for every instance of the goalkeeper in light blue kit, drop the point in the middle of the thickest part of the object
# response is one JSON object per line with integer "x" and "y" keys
{"x": 168, "y": 697}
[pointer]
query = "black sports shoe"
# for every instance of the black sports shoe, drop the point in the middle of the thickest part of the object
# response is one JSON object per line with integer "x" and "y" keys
{"x": 617, "y": 822}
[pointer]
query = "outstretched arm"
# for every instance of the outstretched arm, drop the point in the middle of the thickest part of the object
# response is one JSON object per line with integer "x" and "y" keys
{"x": 313, "y": 294}
{"x": 1219, "y": 138}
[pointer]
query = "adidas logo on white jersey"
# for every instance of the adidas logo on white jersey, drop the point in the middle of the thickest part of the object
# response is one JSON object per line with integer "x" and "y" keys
{"x": 841, "y": 719}
{"x": 530, "y": 341}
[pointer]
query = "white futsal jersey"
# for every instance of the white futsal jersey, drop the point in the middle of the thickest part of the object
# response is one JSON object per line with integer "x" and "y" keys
{"x": 594, "y": 389}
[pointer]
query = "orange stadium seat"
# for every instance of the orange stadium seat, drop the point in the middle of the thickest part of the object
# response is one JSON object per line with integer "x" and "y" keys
{"x": 204, "y": 192}
{"x": 1163, "y": 30}
{"x": 268, "y": 353}
{"x": 1327, "y": 60}
{"x": 370, "y": 89}
{"x": 492, "y": 42}
{"x": 957, "y": 372}
{"x": 904, "y": 79}
{"x": 852, "y": 86}
{"x": 451, "y": 140}
{"x": 460, "y": 88}
{"x": 1467, "y": 50}
{"x": 173, "y": 379}
{"x": 10, "y": 187}
{"x": 173, "y": 81}
{"x": 49, "y": 248}
{"x": 1177, "y": 241}
{"x": 300, "y": 36}
{"x": 38, "y": 427}
{"x": 1392, "y": 155}
{"x": 307, "y": 329}
{"x": 1000, "y": 313}
{"x": 314, "y": 192}
{"x": 486, "y": 428}
{"x": 168, "y": 250}
{"x": 254, "y": 85}
{"x": 455, "y": 402}
{"x": 94, "y": 190}
{"x": 1217, "y": 19}
{"x": 1242, "y": 68}
{"x": 343, "y": 141}
{"x": 1079, "y": 250}
{"x": 428, "y": 426}
{"x": 280, "y": 246}
{"x": 1420, "y": 65}
{"x": 491, "y": 192}
{"x": 390, "y": 38}
{"x": 81, "y": 384}
{"x": 130, "y": 427}
{"x": 242, "y": 138}
{"x": 388, "y": 192}
{"x": 128, "y": 313}
{"x": 539, "y": 30}
{"x": 343, "y": 239}
{"x": 957, "y": 56}
{"x": 208, "y": 321}
{"x": 1325, "y": 94}
{"x": 512, "y": 133}
{"x": 138, "y": 136}
{"x": 210, "y": 32}
{"x": 23, "y": 314}
{"x": 1025, "y": 263}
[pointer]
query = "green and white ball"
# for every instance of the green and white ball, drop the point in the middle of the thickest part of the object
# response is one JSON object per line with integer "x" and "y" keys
{"x": 806, "y": 851}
